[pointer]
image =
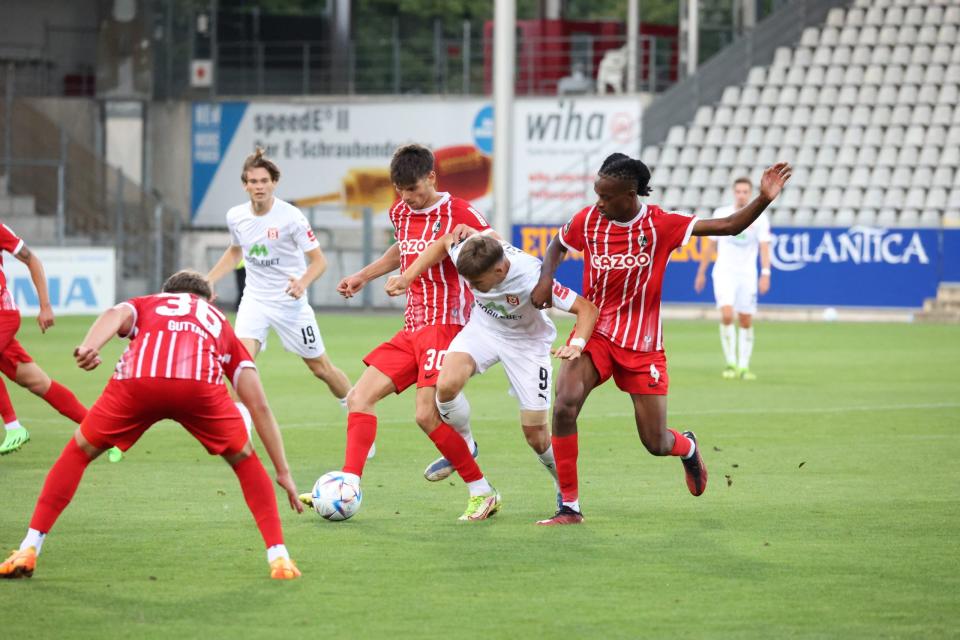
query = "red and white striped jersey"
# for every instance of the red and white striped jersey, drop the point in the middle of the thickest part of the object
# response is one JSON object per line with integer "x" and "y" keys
{"x": 623, "y": 267}
{"x": 182, "y": 336}
{"x": 11, "y": 243}
{"x": 439, "y": 296}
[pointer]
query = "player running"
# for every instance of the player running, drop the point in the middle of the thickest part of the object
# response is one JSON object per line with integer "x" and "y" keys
{"x": 626, "y": 245}
{"x": 735, "y": 283}
{"x": 16, "y": 363}
{"x": 504, "y": 327}
{"x": 272, "y": 237}
{"x": 180, "y": 347}
{"x": 438, "y": 305}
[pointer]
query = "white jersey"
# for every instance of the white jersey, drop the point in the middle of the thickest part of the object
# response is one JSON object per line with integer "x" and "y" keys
{"x": 738, "y": 254}
{"x": 273, "y": 246}
{"x": 506, "y": 309}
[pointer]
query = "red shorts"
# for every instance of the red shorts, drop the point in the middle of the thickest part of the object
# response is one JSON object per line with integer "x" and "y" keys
{"x": 414, "y": 356}
{"x": 12, "y": 352}
{"x": 127, "y": 408}
{"x": 640, "y": 372}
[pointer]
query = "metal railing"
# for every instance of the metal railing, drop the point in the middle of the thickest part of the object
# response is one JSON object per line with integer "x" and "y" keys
{"x": 89, "y": 202}
{"x": 679, "y": 104}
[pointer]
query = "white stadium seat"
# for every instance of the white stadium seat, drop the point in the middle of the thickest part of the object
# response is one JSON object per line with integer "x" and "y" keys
{"x": 936, "y": 198}
{"x": 855, "y": 17}
{"x": 676, "y": 135}
{"x": 922, "y": 177}
{"x": 929, "y": 157}
{"x": 943, "y": 177}
{"x": 928, "y": 94}
{"x": 835, "y": 17}
{"x": 930, "y": 218}
{"x": 810, "y": 37}
{"x": 861, "y": 55}
{"x": 757, "y": 76}
{"x": 803, "y": 217}
{"x": 823, "y": 217}
{"x": 860, "y": 177}
{"x": 699, "y": 177}
{"x": 828, "y": 96}
{"x": 941, "y": 54}
{"x": 902, "y": 177}
{"x": 915, "y": 197}
{"x": 868, "y": 36}
{"x": 881, "y": 116}
{"x": 895, "y": 197}
{"x": 887, "y": 217}
{"x": 845, "y": 217}
{"x": 852, "y": 197}
{"x": 688, "y": 156}
{"x": 707, "y": 157}
{"x": 650, "y": 155}
{"x": 908, "y": 155}
{"x": 873, "y": 197}
{"x": 908, "y": 218}
{"x": 900, "y": 55}
{"x": 866, "y": 217}
{"x": 819, "y": 177}
{"x": 934, "y": 15}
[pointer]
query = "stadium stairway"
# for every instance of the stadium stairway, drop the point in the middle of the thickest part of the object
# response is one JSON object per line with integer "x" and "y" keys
{"x": 867, "y": 108}
{"x": 944, "y": 308}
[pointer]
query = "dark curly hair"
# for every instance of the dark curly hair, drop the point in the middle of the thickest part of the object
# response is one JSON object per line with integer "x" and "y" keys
{"x": 623, "y": 167}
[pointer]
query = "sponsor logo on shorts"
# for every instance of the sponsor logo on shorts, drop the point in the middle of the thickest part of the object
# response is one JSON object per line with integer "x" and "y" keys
{"x": 654, "y": 375}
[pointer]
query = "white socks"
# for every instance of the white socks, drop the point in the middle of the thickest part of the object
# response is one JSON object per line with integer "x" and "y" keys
{"x": 547, "y": 460}
{"x": 277, "y": 551}
{"x": 456, "y": 413}
{"x": 575, "y": 505}
{"x": 10, "y": 426}
{"x": 479, "y": 487}
{"x": 745, "y": 348}
{"x": 247, "y": 418}
{"x": 728, "y": 339}
{"x": 34, "y": 539}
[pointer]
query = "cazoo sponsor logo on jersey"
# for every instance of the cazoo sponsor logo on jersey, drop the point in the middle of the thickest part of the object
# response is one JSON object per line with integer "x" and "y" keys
{"x": 611, "y": 262}
{"x": 859, "y": 245}
{"x": 417, "y": 246}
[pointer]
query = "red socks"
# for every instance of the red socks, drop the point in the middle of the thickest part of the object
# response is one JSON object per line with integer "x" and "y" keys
{"x": 63, "y": 400}
{"x": 361, "y": 432}
{"x": 58, "y": 489}
{"x": 453, "y": 447}
{"x": 258, "y": 492}
{"x": 681, "y": 444}
{"x": 6, "y": 407}
{"x": 565, "y": 451}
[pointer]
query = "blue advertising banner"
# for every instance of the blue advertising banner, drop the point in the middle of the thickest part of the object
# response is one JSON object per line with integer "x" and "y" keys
{"x": 857, "y": 266}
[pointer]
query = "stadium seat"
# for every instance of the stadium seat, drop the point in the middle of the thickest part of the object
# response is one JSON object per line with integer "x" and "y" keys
{"x": 812, "y": 196}
{"x": 704, "y": 116}
{"x": 869, "y": 36}
{"x": 727, "y": 156}
{"x": 929, "y": 218}
{"x": 881, "y": 176}
{"x": 668, "y": 156}
{"x": 823, "y": 217}
{"x": 715, "y": 135}
{"x": 915, "y": 135}
{"x": 723, "y": 115}
{"x": 791, "y": 197}
{"x": 908, "y": 218}
{"x": 845, "y": 217}
{"x": 873, "y": 197}
{"x": 920, "y": 55}
{"x": 699, "y": 177}
{"x": 840, "y": 115}
{"x": 795, "y": 76}
{"x": 902, "y": 177}
{"x": 688, "y": 156}
{"x": 676, "y": 135}
{"x": 888, "y": 36}
{"x": 953, "y": 199}
{"x": 834, "y": 75}
{"x": 855, "y": 17}
{"x": 908, "y": 36}
{"x": 880, "y": 116}
{"x": 734, "y": 136}
{"x": 743, "y": 115}
{"x": 942, "y": 115}
{"x": 650, "y": 155}
{"x": 907, "y": 94}
{"x": 947, "y": 34}
{"x": 749, "y": 96}
{"x": 866, "y": 217}
{"x": 949, "y": 94}
{"x": 660, "y": 175}
{"x": 895, "y": 197}
{"x": 874, "y": 16}
{"x": 776, "y": 76}
{"x": 806, "y": 156}
{"x": 808, "y": 95}
{"x": 757, "y": 76}
{"x": 823, "y": 55}
{"x": 835, "y": 17}
{"x": 922, "y": 177}
{"x": 860, "y": 176}
{"x": 951, "y": 15}
{"x": 810, "y": 37}
{"x": 893, "y": 17}
{"x": 952, "y": 73}
{"x": 887, "y": 217}
{"x": 933, "y": 15}
{"x": 803, "y": 217}
{"x": 695, "y": 135}
{"x": 866, "y": 95}
{"x": 941, "y": 54}
{"x": 766, "y": 156}
{"x": 690, "y": 198}
{"x": 950, "y": 156}
{"x": 848, "y": 95}
{"x": 908, "y": 155}
{"x": 719, "y": 176}
{"x": 861, "y": 55}
{"x": 926, "y": 35}
{"x": 901, "y": 115}
{"x": 781, "y": 217}
{"x": 815, "y": 76}
{"x": 928, "y": 94}
{"x": 852, "y": 197}
{"x": 821, "y": 116}
{"x": 730, "y": 96}
{"x": 819, "y": 177}
{"x": 887, "y": 95}
{"x": 929, "y": 157}
{"x": 680, "y": 176}
{"x": 832, "y": 197}
{"x": 915, "y": 197}
{"x": 672, "y": 197}
{"x": 782, "y": 57}
{"x": 943, "y": 177}
{"x": 841, "y": 56}
{"x": 746, "y": 155}
{"x": 936, "y": 198}
{"x": 893, "y": 75}
{"x": 893, "y": 136}
{"x": 867, "y": 156}
{"x": 707, "y": 156}
{"x": 712, "y": 197}
{"x": 826, "y": 156}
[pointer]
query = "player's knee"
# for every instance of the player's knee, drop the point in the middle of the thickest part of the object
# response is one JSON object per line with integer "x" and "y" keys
{"x": 565, "y": 412}
{"x": 447, "y": 388}
{"x": 321, "y": 368}
{"x": 359, "y": 401}
{"x": 427, "y": 418}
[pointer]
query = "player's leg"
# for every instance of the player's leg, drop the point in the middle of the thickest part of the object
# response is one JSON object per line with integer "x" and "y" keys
{"x": 15, "y": 434}
{"x": 453, "y": 407}
{"x": 472, "y": 351}
{"x": 251, "y": 326}
{"x": 650, "y": 412}
{"x": 57, "y": 492}
{"x": 484, "y": 499}
{"x": 746, "y": 307}
{"x": 296, "y": 324}
{"x": 724, "y": 293}
{"x": 262, "y": 501}
{"x": 576, "y": 379}
{"x": 335, "y": 379}
{"x": 373, "y": 386}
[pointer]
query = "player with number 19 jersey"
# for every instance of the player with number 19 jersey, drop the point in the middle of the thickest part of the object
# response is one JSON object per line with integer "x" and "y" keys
{"x": 624, "y": 264}
{"x": 438, "y": 302}
{"x": 180, "y": 347}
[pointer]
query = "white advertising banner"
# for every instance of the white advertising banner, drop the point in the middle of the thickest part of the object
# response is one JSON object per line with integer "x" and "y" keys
{"x": 334, "y": 158}
{"x": 80, "y": 280}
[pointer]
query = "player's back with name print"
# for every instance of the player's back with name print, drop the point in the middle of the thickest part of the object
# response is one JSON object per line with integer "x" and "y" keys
{"x": 177, "y": 335}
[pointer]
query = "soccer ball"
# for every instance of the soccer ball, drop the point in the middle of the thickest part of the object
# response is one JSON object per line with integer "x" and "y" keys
{"x": 336, "y": 496}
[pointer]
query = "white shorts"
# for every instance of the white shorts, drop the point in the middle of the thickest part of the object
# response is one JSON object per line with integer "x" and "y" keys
{"x": 526, "y": 362}
{"x": 737, "y": 290}
{"x": 294, "y": 322}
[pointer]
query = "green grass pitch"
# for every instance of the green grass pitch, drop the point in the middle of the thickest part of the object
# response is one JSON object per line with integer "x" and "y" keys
{"x": 832, "y": 508}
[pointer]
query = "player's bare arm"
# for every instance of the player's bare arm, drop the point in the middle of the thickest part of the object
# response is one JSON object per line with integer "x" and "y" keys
{"x": 708, "y": 252}
{"x": 114, "y": 321}
{"x": 227, "y": 263}
{"x": 251, "y": 393}
{"x": 587, "y": 314}
{"x": 389, "y": 261}
{"x": 772, "y": 182}
{"x": 39, "y": 278}
{"x": 317, "y": 265}
{"x": 433, "y": 254}
{"x": 763, "y": 285}
{"x": 542, "y": 295}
